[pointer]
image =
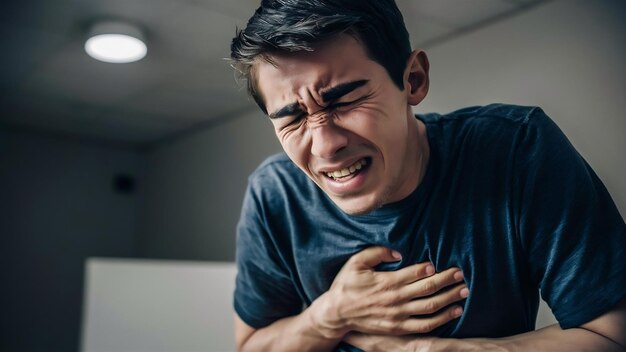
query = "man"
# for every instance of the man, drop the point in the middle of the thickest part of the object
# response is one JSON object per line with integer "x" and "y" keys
{"x": 387, "y": 231}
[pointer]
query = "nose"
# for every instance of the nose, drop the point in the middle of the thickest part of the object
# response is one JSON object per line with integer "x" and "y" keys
{"x": 327, "y": 140}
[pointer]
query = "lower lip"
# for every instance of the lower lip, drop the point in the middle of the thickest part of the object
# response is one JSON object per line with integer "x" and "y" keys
{"x": 348, "y": 186}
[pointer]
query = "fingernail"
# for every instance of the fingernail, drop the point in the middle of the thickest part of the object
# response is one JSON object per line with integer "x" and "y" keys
{"x": 396, "y": 254}
{"x": 458, "y": 275}
{"x": 464, "y": 292}
{"x": 458, "y": 311}
{"x": 430, "y": 269}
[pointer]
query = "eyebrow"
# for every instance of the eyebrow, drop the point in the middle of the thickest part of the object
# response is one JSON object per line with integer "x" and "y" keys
{"x": 289, "y": 110}
{"x": 339, "y": 91}
{"x": 328, "y": 96}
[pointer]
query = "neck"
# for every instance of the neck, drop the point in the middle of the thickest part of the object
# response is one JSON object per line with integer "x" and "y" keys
{"x": 417, "y": 157}
{"x": 422, "y": 151}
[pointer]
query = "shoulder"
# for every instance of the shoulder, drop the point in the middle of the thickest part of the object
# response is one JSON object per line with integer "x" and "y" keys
{"x": 277, "y": 178}
{"x": 491, "y": 125}
{"x": 489, "y": 115}
{"x": 273, "y": 166}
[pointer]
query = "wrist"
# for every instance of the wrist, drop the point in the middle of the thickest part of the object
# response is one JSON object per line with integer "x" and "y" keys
{"x": 323, "y": 318}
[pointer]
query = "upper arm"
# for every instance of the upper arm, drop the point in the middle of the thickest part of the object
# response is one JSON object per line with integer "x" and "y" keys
{"x": 264, "y": 289}
{"x": 243, "y": 332}
{"x": 611, "y": 324}
{"x": 571, "y": 232}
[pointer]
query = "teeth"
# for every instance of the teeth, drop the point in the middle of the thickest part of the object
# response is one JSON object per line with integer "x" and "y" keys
{"x": 348, "y": 170}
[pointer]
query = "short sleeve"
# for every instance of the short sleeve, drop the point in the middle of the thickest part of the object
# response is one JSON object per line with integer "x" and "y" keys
{"x": 264, "y": 291}
{"x": 570, "y": 228}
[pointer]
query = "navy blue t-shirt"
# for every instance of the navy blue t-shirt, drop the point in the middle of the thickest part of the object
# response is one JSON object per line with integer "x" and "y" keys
{"x": 505, "y": 197}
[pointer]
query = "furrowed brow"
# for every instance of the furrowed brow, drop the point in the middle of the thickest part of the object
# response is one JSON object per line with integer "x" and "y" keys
{"x": 328, "y": 96}
{"x": 289, "y": 110}
{"x": 339, "y": 91}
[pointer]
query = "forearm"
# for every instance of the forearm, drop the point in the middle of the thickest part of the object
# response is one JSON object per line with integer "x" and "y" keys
{"x": 297, "y": 333}
{"x": 605, "y": 333}
{"x": 551, "y": 338}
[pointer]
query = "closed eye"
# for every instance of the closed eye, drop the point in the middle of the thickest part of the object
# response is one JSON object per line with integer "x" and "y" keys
{"x": 347, "y": 103}
{"x": 296, "y": 119}
{"x": 338, "y": 105}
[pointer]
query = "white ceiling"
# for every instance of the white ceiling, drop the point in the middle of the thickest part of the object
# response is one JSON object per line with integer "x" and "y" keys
{"x": 48, "y": 83}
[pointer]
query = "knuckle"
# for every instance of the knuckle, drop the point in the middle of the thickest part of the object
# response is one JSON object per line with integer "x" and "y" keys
{"x": 383, "y": 286}
{"x": 454, "y": 312}
{"x": 430, "y": 287}
{"x": 395, "y": 313}
{"x": 420, "y": 270}
{"x": 385, "y": 326}
{"x": 379, "y": 324}
{"x": 431, "y": 306}
{"x": 395, "y": 328}
{"x": 426, "y": 327}
{"x": 385, "y": 283}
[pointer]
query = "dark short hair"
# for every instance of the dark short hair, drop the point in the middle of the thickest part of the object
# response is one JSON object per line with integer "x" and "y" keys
{"x": 297, "y": 25}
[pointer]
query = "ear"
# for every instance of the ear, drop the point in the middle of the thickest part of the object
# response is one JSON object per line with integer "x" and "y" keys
{"x": 416, "y": 77}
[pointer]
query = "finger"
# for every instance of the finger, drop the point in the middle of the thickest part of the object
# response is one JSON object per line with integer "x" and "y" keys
{"x": 432, "y": 284}
{"x": 412, "y": 273}
{"x": 372, "y": 256}
{"x": 433, "y": 304}
{"x": 422, "y": 325}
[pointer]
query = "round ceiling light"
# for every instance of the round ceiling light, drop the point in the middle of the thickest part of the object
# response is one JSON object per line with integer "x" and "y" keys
{"x": 115, "y": 42}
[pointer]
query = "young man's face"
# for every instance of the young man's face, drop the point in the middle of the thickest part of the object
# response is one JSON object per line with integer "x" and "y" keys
{"x": 342, "y": 120}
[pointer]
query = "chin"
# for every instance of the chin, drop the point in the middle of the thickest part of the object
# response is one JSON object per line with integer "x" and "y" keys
{"x": 356, "y": 207}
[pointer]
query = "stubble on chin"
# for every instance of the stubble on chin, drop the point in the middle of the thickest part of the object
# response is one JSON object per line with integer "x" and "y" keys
{"x": 380, "y": 201}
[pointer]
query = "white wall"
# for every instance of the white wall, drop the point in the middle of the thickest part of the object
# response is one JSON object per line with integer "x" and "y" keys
{"x": 158, "y": 306}
{"x": 567, "y": 56}
{"x": 58, "y": 207}
{"x": 194, "y": 189}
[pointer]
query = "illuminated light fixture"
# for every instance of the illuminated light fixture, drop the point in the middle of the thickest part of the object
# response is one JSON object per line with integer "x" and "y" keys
{"x": 115, "y": 42}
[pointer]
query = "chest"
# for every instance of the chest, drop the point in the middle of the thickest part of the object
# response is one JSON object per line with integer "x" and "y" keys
{"x": 478, "y": 243}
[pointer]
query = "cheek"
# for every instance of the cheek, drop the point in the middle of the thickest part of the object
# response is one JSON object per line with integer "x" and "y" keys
{"x": 296, "y": 145}
{"x": 368, "y": 122}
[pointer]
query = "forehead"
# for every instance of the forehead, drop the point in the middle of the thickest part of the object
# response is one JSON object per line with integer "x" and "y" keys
{"x": 333, "y": 62}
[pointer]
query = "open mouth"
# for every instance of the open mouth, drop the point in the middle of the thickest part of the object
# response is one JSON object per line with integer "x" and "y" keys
{"x": 350, "y": 171}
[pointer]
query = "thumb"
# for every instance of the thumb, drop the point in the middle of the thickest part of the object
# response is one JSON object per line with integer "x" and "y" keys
{"x": 372, "y": 256}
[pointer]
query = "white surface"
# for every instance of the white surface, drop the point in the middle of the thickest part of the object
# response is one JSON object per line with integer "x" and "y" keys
{"x": 115, "y": 48}
{"x": 149, "y": 305}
